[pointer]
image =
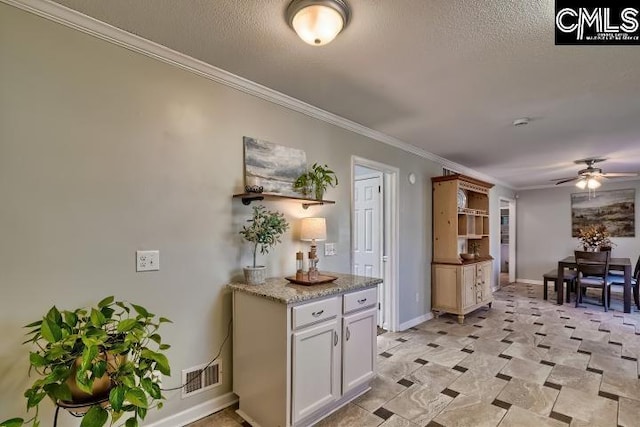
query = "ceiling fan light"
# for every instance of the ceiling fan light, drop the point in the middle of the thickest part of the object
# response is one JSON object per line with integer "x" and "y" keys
{"x": 593, "y": 183}
{"x": 318, "y": 22}
{"x": 581, "y": 184}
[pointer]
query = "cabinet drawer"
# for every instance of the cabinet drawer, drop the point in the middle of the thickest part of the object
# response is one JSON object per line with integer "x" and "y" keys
{"x": 360, "y": 299}
{"x": 314, "y": 312}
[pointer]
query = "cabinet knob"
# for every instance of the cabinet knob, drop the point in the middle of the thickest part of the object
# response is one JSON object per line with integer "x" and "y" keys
{"x": 348, "y": 333}
{"x": 335, "y": 338}
{"x": 317, "y": 313}
{"x": 362, "y": 301}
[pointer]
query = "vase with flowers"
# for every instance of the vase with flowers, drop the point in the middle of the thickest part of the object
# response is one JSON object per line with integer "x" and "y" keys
{"x": 594, "y": 237}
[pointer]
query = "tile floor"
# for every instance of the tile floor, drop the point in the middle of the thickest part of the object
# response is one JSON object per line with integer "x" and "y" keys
{"x": 525, "y": 362}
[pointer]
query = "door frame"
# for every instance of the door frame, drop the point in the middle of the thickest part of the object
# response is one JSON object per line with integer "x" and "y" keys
{"x": 390, "y": 233}
{"x": 512, "y": 238}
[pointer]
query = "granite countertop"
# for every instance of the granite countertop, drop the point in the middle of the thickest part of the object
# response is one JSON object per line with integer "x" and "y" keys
{"x": 280, "y": 290}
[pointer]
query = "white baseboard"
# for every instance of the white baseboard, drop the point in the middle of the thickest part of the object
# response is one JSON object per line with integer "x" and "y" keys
{"x": 529, "y": 281}
{"x": 197, "y": 412}
{"x": 415, "y": 321}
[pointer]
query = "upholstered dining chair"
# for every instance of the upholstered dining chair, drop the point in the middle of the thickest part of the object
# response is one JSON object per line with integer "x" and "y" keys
{"x": 592, "y": 271}
{"x": 617, "y": 280}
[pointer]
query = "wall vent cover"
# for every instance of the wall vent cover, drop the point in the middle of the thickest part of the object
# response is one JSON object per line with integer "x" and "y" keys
{"x": 201, "y": 378}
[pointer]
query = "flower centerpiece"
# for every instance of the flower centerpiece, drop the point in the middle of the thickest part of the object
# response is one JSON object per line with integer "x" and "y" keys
{"x": 595, "y": 237}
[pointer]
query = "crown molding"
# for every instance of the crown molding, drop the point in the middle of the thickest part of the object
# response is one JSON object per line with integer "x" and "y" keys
{"x": 88, "y": 25}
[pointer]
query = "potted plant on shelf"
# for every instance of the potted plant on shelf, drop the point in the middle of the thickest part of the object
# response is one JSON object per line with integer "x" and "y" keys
{"x": 264, "y": 230}
{"x": 474, "y": 248}
{"x": 315, "y": 180}
{"x": 103, "y": 361}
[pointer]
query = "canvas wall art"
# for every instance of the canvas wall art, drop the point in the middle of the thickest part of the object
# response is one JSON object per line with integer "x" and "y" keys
{"x": 615, "y": 209}
{"x": 275, "y": 166}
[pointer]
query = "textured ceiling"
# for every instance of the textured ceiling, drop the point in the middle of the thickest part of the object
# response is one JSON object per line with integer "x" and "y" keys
{"x": 446, "y": 76}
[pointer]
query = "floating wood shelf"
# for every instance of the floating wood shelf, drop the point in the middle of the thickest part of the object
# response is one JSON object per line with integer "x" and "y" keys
{"x": 247, "y": 198}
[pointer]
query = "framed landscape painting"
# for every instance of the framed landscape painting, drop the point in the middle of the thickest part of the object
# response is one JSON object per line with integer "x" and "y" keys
{"x": 615, "y": 209}
{"x": 275, "y": 166}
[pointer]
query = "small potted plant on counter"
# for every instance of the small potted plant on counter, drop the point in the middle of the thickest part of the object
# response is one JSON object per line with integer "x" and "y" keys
{"x": 264, "y": 230}
{"x": 315, "y": 180}
{"x": 101, "y": 361}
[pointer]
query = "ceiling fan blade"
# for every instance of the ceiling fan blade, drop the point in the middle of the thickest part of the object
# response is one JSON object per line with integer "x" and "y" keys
{"x": 619, "y": 174}
{"x": 563, "y": 180}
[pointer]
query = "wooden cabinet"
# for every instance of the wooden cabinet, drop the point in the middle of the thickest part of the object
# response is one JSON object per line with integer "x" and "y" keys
{"x": 295, "y": 363}
{"x": 460, "y": 221}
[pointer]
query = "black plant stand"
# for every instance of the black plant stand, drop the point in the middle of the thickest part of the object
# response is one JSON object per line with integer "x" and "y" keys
{"x": 78, "y": 409}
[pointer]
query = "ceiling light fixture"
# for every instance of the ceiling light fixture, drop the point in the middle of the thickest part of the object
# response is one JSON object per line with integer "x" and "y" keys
{"x": 582, "y": 184}
{"x": 593, "y": 183}
{"x": 317, "y": 22}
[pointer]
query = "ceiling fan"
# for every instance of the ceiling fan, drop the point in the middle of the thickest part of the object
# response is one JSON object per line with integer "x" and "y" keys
{"x": 590, "y": 176}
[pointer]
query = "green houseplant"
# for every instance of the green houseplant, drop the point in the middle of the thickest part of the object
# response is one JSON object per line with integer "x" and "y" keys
{"x": 474, "y": 248}
{"x": 264, "y": 230}
{"x": 315, "y": 180}
{"x": 107, "y": 357}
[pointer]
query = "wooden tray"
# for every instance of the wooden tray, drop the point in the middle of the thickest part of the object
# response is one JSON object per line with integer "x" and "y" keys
{"x": 320, "y": 280}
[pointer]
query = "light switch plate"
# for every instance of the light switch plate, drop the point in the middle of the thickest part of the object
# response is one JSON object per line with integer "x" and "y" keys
{"x": 329, "y": 249}
{"x": 147, "y": 260}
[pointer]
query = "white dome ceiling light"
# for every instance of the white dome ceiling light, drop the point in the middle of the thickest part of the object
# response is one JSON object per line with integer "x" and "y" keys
{"x": 318, "y": 22}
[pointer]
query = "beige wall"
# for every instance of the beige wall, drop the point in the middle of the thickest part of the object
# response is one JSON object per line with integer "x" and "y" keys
{"x": 543, "y": 221}
{"x": 104, "y": 151}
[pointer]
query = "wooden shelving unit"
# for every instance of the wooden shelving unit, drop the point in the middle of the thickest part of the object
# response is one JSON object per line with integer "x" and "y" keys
{"x": 458, "y": 286}
{"x": 247, "y": 198}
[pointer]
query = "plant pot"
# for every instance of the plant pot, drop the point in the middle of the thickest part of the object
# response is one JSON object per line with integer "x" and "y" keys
{"x": 255, "y": 275}
{"x": 101, "y": 386}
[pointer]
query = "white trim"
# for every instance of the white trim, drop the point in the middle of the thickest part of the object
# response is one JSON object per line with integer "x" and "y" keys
{"x": 197, "y": 412}
{"x": 416, "y": 321}
{"x": 247, "y": 418}
{"x": 391, "y": 232}
{"x": 78, "y": 21}
{"x": 529, "y": 281}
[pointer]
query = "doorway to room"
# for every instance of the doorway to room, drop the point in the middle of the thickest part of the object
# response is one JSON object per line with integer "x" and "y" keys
{"x": 507, "y": 241}
{"x": 374, "y": 236}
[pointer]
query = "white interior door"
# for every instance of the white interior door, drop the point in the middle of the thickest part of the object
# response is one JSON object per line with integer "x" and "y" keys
{"x": 368, "y": 227}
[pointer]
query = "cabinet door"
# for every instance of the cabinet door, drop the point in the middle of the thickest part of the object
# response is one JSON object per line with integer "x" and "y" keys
{"x": 358, "y": 349}
{"x": 469, "y": 285}
{"x": 485, "y": 280}
{"x": 315, "y": 368}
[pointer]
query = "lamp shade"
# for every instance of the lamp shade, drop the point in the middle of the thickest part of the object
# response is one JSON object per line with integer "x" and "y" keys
{"x": 318, "y": 22}
{"x": 313, "y": 229}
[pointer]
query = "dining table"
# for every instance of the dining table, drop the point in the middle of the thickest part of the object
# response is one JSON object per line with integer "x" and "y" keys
{"x": 620, "y": 264}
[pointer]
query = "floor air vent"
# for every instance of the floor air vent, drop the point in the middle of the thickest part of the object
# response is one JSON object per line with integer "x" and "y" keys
{"x": 199, "y": 378}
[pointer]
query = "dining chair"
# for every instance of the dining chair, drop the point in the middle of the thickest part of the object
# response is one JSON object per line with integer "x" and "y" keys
{"x": 592, "y": 271}
{"x": 617, "y": 280}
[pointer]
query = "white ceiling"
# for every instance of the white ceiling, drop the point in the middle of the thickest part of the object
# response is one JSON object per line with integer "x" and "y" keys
{"x": 446, "y": 76}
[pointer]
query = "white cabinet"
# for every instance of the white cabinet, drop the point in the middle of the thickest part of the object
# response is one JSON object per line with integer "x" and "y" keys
{"x": 316, "y": 368}
{"x": 293, "y": 364}
{"x": 358, "y": 349}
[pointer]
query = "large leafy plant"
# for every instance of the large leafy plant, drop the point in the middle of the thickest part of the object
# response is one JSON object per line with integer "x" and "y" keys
{"x": 117, "y": 339}
{"x": 264, "y": 230}
{"x": 316, "y": 179}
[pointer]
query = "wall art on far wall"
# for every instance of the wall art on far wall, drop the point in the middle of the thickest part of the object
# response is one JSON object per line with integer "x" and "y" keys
{"x": 615, "y": 209}
{"x": 274, "y": 166}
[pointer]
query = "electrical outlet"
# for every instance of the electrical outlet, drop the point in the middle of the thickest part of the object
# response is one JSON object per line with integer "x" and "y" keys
{"x": 147, "y": 260}
{"x": 329, "y": 249}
